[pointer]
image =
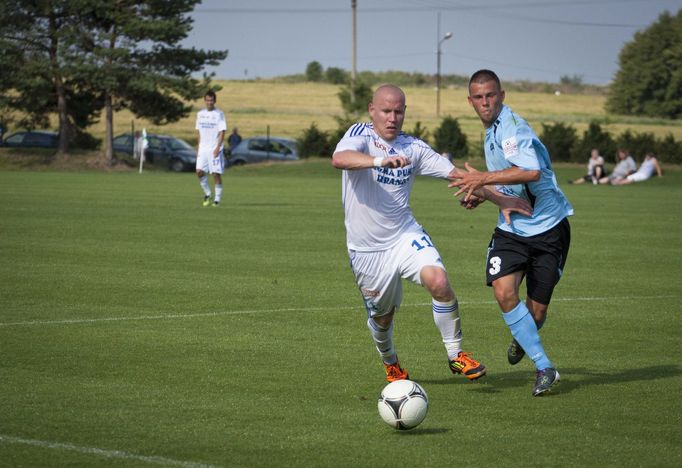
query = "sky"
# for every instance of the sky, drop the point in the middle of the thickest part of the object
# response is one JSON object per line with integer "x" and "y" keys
{"x": 536, "y": 40}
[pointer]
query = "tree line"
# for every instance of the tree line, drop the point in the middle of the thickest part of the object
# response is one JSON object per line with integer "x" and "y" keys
{"x": 648, "y": 81}
{"x": 562, "y": 141}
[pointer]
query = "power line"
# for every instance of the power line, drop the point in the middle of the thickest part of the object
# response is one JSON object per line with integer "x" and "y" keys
{"x": 562, "y": 22}
{"x": 443, "y": 6}
{"x": 446, "y": 6}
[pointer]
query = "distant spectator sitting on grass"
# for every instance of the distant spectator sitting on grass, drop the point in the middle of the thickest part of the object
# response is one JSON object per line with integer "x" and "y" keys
{"x": 626, "y": 166}
{"x": 646, "y": 171}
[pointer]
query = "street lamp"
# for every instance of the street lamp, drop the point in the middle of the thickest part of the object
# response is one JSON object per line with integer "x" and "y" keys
{"x": 447, "y": 36}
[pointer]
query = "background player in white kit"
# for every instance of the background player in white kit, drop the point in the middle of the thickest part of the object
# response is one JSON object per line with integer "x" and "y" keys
{"x": 385, "y": 242}
{"x": 211, "y": 126}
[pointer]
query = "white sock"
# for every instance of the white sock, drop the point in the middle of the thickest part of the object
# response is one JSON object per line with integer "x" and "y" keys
{"x": 446, "y": 317}
{"x": 383, "y": 339}
{"x": 204, "y": 185}
{"x": 218, "y": 192}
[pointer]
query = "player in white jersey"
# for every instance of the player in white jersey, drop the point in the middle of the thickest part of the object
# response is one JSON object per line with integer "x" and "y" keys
{"x": 385, "y": 242}
{"x": 211, "y": 126}
{"x": 531, "y": 247}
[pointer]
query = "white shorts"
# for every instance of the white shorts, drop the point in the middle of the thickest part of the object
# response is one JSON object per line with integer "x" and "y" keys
{"x": 638, "y": 177}
{"x": 207, "y": 163}
{"x": 379, "y": 273}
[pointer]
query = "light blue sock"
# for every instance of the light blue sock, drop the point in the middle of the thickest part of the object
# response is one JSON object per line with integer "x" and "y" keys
{"x": 525, "y": 332}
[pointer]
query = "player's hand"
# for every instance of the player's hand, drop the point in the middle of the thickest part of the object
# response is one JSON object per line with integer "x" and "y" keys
{"x": 472, "y": 203}
{"x": 467, "y": 182}
{"x": 509, "y": 205}
{"x": 396, "y": 161}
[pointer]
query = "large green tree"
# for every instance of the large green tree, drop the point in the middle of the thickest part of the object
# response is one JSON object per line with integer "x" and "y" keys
{"x": 37, "y": 52}
{"x": 108, "y": 54}
{"x": 132, "y": 51}
{"x": 649, "y": 81}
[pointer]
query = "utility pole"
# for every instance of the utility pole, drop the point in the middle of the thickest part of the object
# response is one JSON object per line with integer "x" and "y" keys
{"x": 447, "y": 36}
{"x": 354, "y": 7}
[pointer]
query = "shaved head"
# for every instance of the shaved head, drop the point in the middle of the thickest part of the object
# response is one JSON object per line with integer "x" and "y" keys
{"x": 388, "y": 89}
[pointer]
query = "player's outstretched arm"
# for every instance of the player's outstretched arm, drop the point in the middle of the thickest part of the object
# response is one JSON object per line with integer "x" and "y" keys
{"x": 352, "y": 160}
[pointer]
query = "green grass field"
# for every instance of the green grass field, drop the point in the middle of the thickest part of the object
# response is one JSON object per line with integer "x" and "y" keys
{"x": 138, "y": 328}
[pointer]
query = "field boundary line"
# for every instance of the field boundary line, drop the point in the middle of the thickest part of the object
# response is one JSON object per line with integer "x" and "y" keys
{"x": 292, "y": 309}
{"x": 120, "y": 454}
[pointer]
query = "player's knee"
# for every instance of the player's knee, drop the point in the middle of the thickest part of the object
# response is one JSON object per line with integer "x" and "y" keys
{"x": 384, "y": 321}
{"x": 506, "y": 296}
{"x": 537, "y": 310}
{"x": 436, "y": 281}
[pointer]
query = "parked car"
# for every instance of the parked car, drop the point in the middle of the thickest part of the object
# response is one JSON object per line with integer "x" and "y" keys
{"x": 162, "y": 150}
{"x": 261, "y": 149}
{"x": 32, "y": 139}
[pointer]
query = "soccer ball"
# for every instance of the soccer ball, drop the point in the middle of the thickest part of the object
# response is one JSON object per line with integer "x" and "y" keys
{"x": 403, "y": 404}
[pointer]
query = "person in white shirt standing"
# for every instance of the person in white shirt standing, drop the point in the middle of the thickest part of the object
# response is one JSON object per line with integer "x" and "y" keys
{"x": 211, "y": 126}
{"x": 385, "y": 242}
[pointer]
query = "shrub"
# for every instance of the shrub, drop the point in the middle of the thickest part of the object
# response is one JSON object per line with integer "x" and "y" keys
{"x": 593, "y": 137}
{"x": 559, "y": 140}
{"x": 314, "y": 142}
{"x": 419, "y": 132}
{"x": 668, "y": 150}
{"x": 363, "y": 95}
{"x": 448, "y": 138}
{"x": 336, "y": 75}
{"x": 638, "y": 144}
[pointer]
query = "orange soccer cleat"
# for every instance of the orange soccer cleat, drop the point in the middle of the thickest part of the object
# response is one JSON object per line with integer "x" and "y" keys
{"x": 467, "y": 366}
{"x": 395, "y": 372}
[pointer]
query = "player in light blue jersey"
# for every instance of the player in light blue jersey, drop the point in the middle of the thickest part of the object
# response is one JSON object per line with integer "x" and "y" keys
{"x": 531, "y": 247}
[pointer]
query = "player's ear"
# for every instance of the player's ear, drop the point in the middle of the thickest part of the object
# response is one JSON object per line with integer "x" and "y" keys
{"x": 503, "y": 94}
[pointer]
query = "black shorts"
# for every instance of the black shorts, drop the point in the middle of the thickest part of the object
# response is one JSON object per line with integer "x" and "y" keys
{"x": 541, "y": 258}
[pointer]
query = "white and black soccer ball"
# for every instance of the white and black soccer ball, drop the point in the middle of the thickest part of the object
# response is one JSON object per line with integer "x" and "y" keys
{"x": 403, "y": 404}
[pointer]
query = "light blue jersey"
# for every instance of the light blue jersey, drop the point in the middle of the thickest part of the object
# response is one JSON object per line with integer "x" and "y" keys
{"x": 511, "y": 142}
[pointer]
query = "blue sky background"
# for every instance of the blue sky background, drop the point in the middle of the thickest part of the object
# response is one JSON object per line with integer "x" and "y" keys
{"x": 538, "y": 40}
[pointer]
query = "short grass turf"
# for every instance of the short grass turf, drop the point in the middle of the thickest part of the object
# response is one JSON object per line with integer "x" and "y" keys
{"x": 138, "y": 328}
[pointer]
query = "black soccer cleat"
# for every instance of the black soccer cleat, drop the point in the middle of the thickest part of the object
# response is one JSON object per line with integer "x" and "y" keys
{"x": 544, "y": 381}
{"x": 515, "y": 353}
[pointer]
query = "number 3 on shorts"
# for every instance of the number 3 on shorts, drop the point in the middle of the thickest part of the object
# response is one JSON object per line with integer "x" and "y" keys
{"x": 495, "y": 264}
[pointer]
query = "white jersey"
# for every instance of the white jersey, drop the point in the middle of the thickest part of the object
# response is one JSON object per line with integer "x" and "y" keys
{"x": 210, "y": 124}
{"x": 593, "y": 163}
{"x": 647, "y": 169}
{"x": 376, "y": 200}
